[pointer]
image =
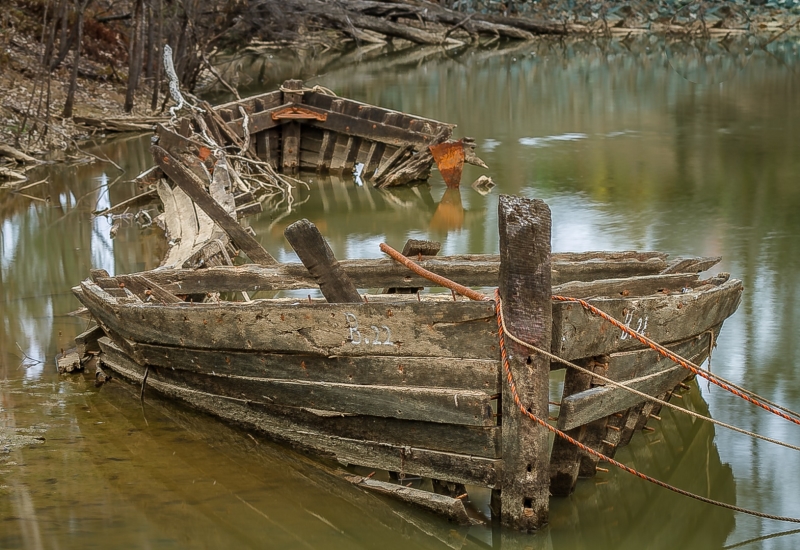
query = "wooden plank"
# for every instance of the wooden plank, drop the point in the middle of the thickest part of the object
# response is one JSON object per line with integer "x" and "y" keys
{"x": 670, "y": 318}
{"x": 317, "y": 256}
{"x": 692, "y": 265}
{"x": 421, "y": 329}
{"x": 483, "y": 441}
{"x": 433, "y": 372}
{"x": 525, "y": 291}
{"x": 86, "y": 342}
{"x": 628, "y": 287}
{"x": 290, "y": 155}
{"x": 193, "y": 187}
{"x": 411, "y": 460}
{"x": 451, "y": 508}
{"x": 442, "y": 405}
{"x": 471, "y": 270}
{"x": 326, "y": 151}
{"x": 147, "y": 290}
{"x": 661, "y": 376}
{"x": 261, "y": 136}
{"x": 565, "y": 457}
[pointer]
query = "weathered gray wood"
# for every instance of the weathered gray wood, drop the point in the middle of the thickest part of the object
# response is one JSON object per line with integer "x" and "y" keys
{"x": 86, "y": 342}
{"x": 326, "y": 151}
{"x": 180, "y": 219}
{"x": 440, "y": 405}
{"x": 317, "y": 256}
{"x": 147, "y": 290}
{"x": 422, "y": 329}
{"x": 451, "y": 508}
{"x": 629, "y": 286}
{"x": 471, "y": 270}
{"x": 411, "y": 460}
{"x": 692, "y": 265}
{"x": 667, "y": 318}
{"x": 483, "y": 441}
{"x": 432, "y": 372}
{"x": 565, "y": 457}
{"x": 261, "y": 138}
{"x": 661, "y": 375}
{"x": 193, "y": 187}
{"x": 291, "y": 130}
{"x": 249, "y": 209}
{"x": 525, "y": 290}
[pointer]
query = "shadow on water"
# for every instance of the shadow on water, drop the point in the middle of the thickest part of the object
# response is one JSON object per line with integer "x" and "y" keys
{"x": 628, "y": 154}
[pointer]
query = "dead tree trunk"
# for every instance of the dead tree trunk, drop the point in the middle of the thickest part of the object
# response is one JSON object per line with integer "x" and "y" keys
{"x": 80, "y": 7}
{"x": 158, "y": 49}
{"x": 135, "y": 56}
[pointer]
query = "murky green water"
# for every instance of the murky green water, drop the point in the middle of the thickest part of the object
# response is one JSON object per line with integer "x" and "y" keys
{"x": 627, "y": 153}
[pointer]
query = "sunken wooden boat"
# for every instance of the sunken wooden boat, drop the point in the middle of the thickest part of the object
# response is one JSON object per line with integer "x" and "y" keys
{"x": 385, "y": 372}
{"x": 297, "y": 128}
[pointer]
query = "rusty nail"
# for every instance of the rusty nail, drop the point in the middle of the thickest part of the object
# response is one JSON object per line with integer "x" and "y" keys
{"x": 654, "y": 416}
{"x": 648, "y": 429}
{"x": 599, "y": 469}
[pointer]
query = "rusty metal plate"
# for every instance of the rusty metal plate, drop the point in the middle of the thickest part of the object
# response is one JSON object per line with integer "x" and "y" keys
{"x": 298, "y": 113}
{"x": 449, "y": 157}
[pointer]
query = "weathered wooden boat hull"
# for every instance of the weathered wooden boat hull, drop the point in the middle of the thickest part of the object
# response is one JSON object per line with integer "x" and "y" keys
{"x": 415, "y": 392}
{"x": 416, "y": 383}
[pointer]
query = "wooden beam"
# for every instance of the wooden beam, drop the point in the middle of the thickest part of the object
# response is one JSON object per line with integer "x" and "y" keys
{"x": 525, "y": 290}
{"x": 471, "y": 270}
{"x": 193, "y": 187}
{"x": 317, "y": 256}
{"x": 441, "y": 405}
{"x": 290, "y": 155}
{"x": 565, "y": 458}
{"x": 432, "y": 372}
{"x": 451, "y": 508}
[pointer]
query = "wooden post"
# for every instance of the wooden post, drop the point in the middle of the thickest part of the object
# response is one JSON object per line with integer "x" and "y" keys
{"x": 318, "y": 258}
{"x": 291, "y": 130}
{"x": 525, "y": 289}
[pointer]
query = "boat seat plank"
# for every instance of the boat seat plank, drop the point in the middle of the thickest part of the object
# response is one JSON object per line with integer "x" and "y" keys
{"x": 470, "y": 270}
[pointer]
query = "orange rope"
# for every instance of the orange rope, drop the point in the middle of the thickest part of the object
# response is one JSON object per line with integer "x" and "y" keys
{"x": 515, "y": 395}
{"x": 438, "y": 279}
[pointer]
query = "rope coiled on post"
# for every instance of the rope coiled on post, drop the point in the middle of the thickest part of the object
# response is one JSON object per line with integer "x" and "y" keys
{"x": 518, "y": 402}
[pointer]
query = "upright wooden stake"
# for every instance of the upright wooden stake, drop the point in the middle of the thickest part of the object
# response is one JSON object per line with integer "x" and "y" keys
{"x": 315, "y": 253}
{"x": 525, "y": 289}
